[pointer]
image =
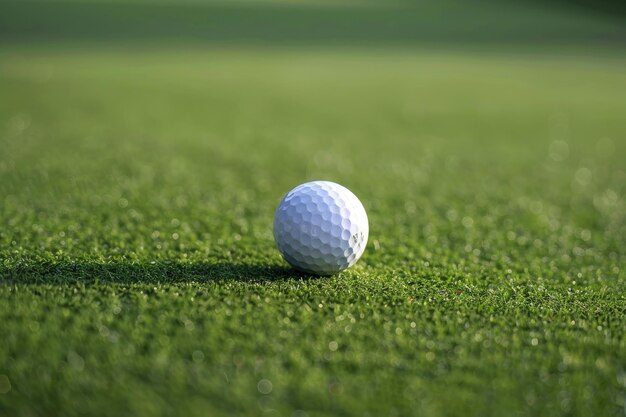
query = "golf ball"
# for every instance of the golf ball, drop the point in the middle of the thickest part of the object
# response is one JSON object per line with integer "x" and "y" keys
{"x": 321, "y": 227}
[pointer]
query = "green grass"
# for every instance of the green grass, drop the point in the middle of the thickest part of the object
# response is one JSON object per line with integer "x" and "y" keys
{"x": 138, "y": 273}
{"x": 316, "y": 22}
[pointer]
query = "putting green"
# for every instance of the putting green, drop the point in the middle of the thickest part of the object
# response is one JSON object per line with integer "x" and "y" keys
{"x": 138, "y": 273}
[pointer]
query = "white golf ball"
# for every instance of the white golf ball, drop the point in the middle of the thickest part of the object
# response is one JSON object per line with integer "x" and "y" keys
{"x": 321, "y": 227}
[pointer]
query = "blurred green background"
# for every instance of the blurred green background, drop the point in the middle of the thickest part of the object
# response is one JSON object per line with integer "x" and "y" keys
{"x": 314, "y": 23}
{"x": 144, "y": 146}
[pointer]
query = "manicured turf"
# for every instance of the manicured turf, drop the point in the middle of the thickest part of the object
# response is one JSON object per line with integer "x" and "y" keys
{"x": 138, "y": 273}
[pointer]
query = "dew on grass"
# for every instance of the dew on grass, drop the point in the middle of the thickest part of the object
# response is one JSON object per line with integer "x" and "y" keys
{"x": 467, "y": 222}
{"x": 197, "y": 356}
{"x": 583, "y": 176}
{"x": 531, "y": 235}
{"x": 559, "y": 151}
{"x": 264, "y": 386}
{"x": 585, "y": 235}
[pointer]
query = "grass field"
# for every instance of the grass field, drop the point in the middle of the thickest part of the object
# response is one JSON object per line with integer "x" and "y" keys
{"x": 138, "y": 272}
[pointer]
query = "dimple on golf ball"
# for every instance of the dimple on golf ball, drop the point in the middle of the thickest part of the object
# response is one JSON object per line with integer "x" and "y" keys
{"x": 321, "y": 227}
